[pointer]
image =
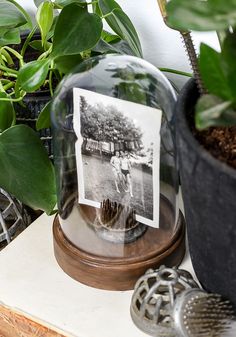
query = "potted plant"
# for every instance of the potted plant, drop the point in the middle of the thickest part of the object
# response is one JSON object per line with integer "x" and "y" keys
{"x": 206, "y": 141}
{"x": 69, "y": 32}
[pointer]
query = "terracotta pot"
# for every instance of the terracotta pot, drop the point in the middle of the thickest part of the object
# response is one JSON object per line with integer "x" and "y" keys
{"x": 209, "y": 194}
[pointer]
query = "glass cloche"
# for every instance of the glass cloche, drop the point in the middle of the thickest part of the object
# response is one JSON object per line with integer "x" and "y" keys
{"x": 117, "y": 181}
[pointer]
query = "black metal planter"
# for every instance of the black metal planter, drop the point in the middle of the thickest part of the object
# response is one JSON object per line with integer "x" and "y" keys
{"x": 28, "y": 114}
{"x": 209, "y": 194}
{"x": 33, "y": 103}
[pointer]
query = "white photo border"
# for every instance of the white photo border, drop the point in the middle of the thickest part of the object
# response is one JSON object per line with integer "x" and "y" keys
{"x": 77, "y": 92}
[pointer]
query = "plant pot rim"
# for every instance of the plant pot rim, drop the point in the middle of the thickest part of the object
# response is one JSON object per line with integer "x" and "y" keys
{"x": 190, "y": 90}
{"x": 38, "y": 94}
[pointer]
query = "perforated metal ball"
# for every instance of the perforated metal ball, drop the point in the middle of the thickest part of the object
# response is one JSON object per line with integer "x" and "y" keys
{"x": 13, "y": 216}
{"x": 153, "y": 299}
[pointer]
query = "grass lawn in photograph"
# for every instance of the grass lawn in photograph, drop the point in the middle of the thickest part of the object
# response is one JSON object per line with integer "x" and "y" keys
{"x": 99, "y": 185}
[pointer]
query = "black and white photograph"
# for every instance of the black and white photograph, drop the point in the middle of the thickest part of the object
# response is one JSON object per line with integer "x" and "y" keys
{"x": 118, "y": 153}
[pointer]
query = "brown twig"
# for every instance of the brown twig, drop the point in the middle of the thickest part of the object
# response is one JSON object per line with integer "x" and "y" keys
{"x": 192, "y": 55}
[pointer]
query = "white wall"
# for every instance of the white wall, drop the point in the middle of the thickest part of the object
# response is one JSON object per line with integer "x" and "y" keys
{"x": 162, "y": 46}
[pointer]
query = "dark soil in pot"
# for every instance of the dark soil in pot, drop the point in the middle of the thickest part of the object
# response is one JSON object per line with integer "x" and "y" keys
{"x": 209, "y": 193}
{"x": 220, "y": 142}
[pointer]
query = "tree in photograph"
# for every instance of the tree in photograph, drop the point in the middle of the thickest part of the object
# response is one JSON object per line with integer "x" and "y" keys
{"x": 106, "y": 123}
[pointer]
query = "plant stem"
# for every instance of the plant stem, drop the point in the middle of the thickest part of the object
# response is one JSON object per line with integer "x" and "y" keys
{"x": 12, "y": 99}
{"x": 162, "y": 6}
{"x": 92, "y": 3}
{"x": 3, "y": 80}
{"x": 45, "y": 54}
{"x": 50, "y": 79}
{"x": 1, "y": 87}
{"x": 191, "y": 52}
{"x": 9, "y": 86}
{"x": 26, "y": 43}
{"x": 7, "y": 56}
{"x": 26, "y": 15}
{"x": 106, "y": 15}
{"x": 177, "y": 72}
{"x": 13, "y": 51}
{"x": 57, "y": 6}
{"x": 8, "y": 70}
{"x": 187, "y": 39}
{"x": 9, "y": 75}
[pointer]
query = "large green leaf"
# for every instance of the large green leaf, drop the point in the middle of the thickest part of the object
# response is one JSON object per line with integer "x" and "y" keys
{"x": 33, "y": 74}
{"x": 107, "y": 6}
{"x": 102, "y": 47}
{"x": 126, "y": 30}
{"x": 213, "y": 111}
{"x": 201, "y": 15}
{"x": 109, "y": 37}
{"x": 64, "y": 3}
{"x": 44, "y": 17}
{"x": 51, "y": 32}
{"x": 7, "y": 113}
{"x": 76, "y": 31}
{"x": 10, "y": 16}
{"x": 38, "y": 2}
{"x": 121, "y": 24}
{"x": 229, "y": 56}
{"x": 120, "y": 47}
{"x": 213, "y": 73}
{"x": 12, "y": 36}
{"x": 44, "y": 120}
{"x": 218, "y": 4}
{"x": 37, "y": 45}
{"x": 123, "y": 47}
{"x": 65, "y": 64}
{"x": 25, "y": 169}
{"x": 96, "y": 9}
{"x": 3, "y": 31}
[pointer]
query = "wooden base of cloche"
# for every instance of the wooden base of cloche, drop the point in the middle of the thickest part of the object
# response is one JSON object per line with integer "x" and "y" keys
{"x": 117, "y": 273}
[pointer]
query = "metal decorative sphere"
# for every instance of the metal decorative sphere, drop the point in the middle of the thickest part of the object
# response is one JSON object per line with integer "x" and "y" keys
{"x": 153, "y": 299}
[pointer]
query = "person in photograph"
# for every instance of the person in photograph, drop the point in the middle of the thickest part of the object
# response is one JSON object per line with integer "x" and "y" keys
{"x": 116, "y": 169}
{"x": 126, "y": 171}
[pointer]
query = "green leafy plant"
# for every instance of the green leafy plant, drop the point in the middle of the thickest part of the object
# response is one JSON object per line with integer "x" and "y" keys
{"x": 217, "y": 107}
{"x": 70, "y": 31}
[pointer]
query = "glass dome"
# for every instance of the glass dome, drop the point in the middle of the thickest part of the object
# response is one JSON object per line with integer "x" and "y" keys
{"x": 114, "y": 155}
